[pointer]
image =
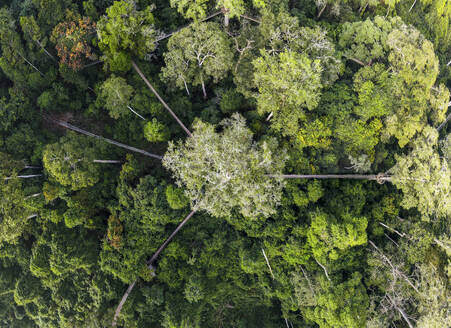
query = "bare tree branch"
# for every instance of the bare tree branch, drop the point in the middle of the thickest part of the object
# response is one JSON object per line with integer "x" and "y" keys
{"x": 324, "y": 268}
{"x": 267, "y": 262}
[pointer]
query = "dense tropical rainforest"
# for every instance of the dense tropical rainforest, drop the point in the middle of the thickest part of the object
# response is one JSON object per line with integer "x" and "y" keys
{"x": 225, "y": 163}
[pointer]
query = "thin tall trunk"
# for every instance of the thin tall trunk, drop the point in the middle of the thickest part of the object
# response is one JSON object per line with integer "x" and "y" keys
{"x": 32, "y": 167}
{"x": 324, "y": 268}
{"x": 23, "y": 176}
{"x": 186, "y": 87}
{"x": 377, "y": 177}
{"x": 449, "y": 63}
{"x": 118, "y": 144}
{"x": 128, "y": 106}
{"x": 286, "y": 322}
{"x": 203, "y": 87}
{"x": 267, "y": 263}
{"x": 150, "y": 265}
{"x": 45, "y": 51}
{"x": 160, "y": 99}
{"x": 122, "y": 302}
{"x": 413, "y": 4}
{"x": 34, "y": 195}
{"x": 251, "y": 19}
{"x": 107, "y": 161}
{"x": 167, "y": 241}
{"x": 357, "y": 61}
{"x": 26, "y": 60}
{"x": 395, "y": 269}
{"x": 308, "y": 280}
{"x": 92, "y": 64}
{"x": 363, "y": 8}
{"x": 178, "y": 30}
{"x": 226, "y": 20}
{"x": 393, "y": 230}
{"x": 394, "y": 242}
{"x": 131, "y": 109}
{"x": 401, "y": 311}
{"x": 321, "y": 11}
{"x": 444, "y": 122}
{"x": 235, "y": 69}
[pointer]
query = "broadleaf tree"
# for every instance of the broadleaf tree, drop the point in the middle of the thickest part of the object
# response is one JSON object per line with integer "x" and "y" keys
{"x": 225, "y": 173}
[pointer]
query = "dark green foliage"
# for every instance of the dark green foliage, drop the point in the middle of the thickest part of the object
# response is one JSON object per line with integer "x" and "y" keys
{"x": 265, "y": 87}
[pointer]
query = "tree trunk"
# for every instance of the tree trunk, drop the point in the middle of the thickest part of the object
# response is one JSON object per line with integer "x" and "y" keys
{"x": 26, "y": 60}
{"x": 23, "y": 176}
{"x": 186, "y": 88}
{"x": 308, "y": 281}
{"x": 160, "y": 99}
{"x": 363, "y": 8}
{"x": 32, "y": 167}
{"x": 150, "y": 265}
{"x": 34, "y": 195}
{"x": 413, "y": 4}
{"x": 226, "y": 20}
{"x": 131, "y": 109}
{"x": 122, "y": 302}
{"x": 203, "y": 87}
{"x": 357, "y": 61}
{"x": 118, "y": 144}
{"x": 403, "y": 314}
{"x": 267, "y": 263}
{"x": 107, "y": 161}
{"x": 321, "y": 11}
{"x": 178, "y": 30}
{"x": 324, "y": 268}
{"x": 167, "y": 241}
{"x": 401, "y": 311}
{"x": 393, "y": 267}
{"x": 251, "y": 19}
{"x": 444, "y": 122}
{"x": 378, "y": 177}
{"x": 45, "y": 51}
{"x": 391, "y": 229}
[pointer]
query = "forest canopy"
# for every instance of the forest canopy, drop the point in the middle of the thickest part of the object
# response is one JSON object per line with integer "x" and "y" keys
{"x": 218, "y": 163}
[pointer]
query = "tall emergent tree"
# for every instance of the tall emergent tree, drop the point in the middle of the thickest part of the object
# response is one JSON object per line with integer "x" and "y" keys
{"x": 226, "y": 172}
{"x": 126, "y": 32}
{"x": 197, "y": 54}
